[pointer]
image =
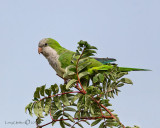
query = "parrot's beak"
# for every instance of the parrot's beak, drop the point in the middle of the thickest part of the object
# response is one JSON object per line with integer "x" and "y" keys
{"x": 39, "y": 50}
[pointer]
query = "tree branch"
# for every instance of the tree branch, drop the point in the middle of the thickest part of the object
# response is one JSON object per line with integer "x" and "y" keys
{"x": 60, "y": 94}
{"x": 77, "y": 71}
{"x": 87, "y": 118}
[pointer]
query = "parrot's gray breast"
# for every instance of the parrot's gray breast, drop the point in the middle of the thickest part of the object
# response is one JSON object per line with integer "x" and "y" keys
{"x": 52, "y": 57}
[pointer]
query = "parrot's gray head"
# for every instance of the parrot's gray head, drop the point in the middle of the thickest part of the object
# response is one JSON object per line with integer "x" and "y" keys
{"x": 48, "y": 43}
{"x": 42, "y": 44}
{"x": 44, "y": 48}
{"x": 47, "y": 46}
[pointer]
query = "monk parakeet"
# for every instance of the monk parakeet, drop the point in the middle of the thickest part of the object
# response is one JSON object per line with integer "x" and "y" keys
{"x": 59, "y": 58}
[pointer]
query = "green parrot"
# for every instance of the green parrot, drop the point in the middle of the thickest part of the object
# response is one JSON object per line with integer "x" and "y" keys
{"x": 59, "y": 58}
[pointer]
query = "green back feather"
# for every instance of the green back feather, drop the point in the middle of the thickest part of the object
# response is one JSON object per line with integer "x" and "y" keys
{"x": 56, "y": 46}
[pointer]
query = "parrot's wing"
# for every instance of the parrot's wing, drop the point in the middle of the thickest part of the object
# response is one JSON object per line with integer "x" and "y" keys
{"x": 105, "y": 60}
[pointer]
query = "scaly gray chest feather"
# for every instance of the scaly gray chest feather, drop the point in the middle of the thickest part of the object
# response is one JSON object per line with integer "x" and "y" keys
{"x": 52, "y": 57}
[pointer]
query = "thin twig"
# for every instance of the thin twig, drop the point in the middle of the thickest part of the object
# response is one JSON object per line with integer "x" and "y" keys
{"x": 108, "y": 111}
{"x": 87, "y": 118}
{"x": 77, "y": 123}
{"x": 51, "y": 115}
{"x": 77, "y": 71}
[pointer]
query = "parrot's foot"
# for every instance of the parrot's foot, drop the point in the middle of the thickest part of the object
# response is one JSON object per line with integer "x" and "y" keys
{"x": 65, "y": 80}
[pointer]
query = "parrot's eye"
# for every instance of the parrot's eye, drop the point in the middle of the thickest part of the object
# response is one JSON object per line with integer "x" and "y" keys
{"x": 45, "y": 44}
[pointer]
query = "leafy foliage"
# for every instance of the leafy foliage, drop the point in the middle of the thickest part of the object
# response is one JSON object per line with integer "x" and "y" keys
{"x": 88, "y": 102}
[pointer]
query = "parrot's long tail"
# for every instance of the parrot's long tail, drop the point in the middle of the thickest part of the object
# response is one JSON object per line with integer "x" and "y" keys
{"x": 122, "y": 69}
{"x": 126, "y": 69}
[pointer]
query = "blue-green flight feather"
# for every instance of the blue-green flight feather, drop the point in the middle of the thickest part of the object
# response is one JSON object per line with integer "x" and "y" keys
{"x": 105, "y": 60}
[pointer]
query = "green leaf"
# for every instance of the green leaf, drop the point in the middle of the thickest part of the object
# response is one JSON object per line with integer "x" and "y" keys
{"x": 29, "y": 108}
{"x": 57, "y": 102}
{"x": 90, "y": 89}
{"x": 70, "y": 83}
{"x": 87, "y": 101}
{"x": 84, "y": 60}
{"x": 70, "y": 68}
{"x": 101, "y": 77}
{"x": 36, "y": 93}
{"x": 77, "y": 115}
{"x": 121, "y": 74}
{"x": 126, "y": 80}
{"x": 96, "y": 122}
{"x": 70, "y": 95}
{"x": 39, "y": 120}
{"x": 83, "y": 113}
{"x": 63, "y": 88}
{"x": 83, "y": 66}
{"x": 110, "y": 120}
{"x": 40, "y": 109}
{"x": 80, "y": 125}
{"x": 95, "y": 79}
{"x": 53, "y": 123}
{"x": 105, "y": 102}
{"x": 90, "y": 51}
{"x": 67, "y": 124}
{"x": 62, "y": 123}
{"x": 47, "y": 106}
{"x": 35, "y": 109}
{"x": 71, "y": 118}
{"x": 86, "y": 122}
{"x": 76, "y": 97}
{"x": 135, "y": 126}
{"x": 53, "y": 108}
{"x": 69, "y": 109}
{"x": 57, "y": 114}
{"x": 120, "y": 85}
{"x": 64, "y": 99}
{"x": 92, "y": 110}
{"x": 68, "y": 73}
{"x": 87, "y": 55}
{"x": 93, "y": 90}
{"x": 83, "y": 74}
{"x": 42, "y": 90}
{"x": 111, "y": 124}
{"x": 81, "y": 43}
{"x": 77, "y": 51}
{"x": 48, "y": 92}
{"x": 55, "y": 88}
{"x": 68, "y": 116}
{"x": 93, "y": 47}
{"x": 102, "y": 125}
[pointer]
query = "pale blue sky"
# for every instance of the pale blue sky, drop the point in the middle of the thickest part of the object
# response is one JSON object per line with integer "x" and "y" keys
{"x": 128, "y": 30}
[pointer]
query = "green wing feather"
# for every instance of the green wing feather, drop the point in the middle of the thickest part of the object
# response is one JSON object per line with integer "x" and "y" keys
{"x": 65, "y": 58}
